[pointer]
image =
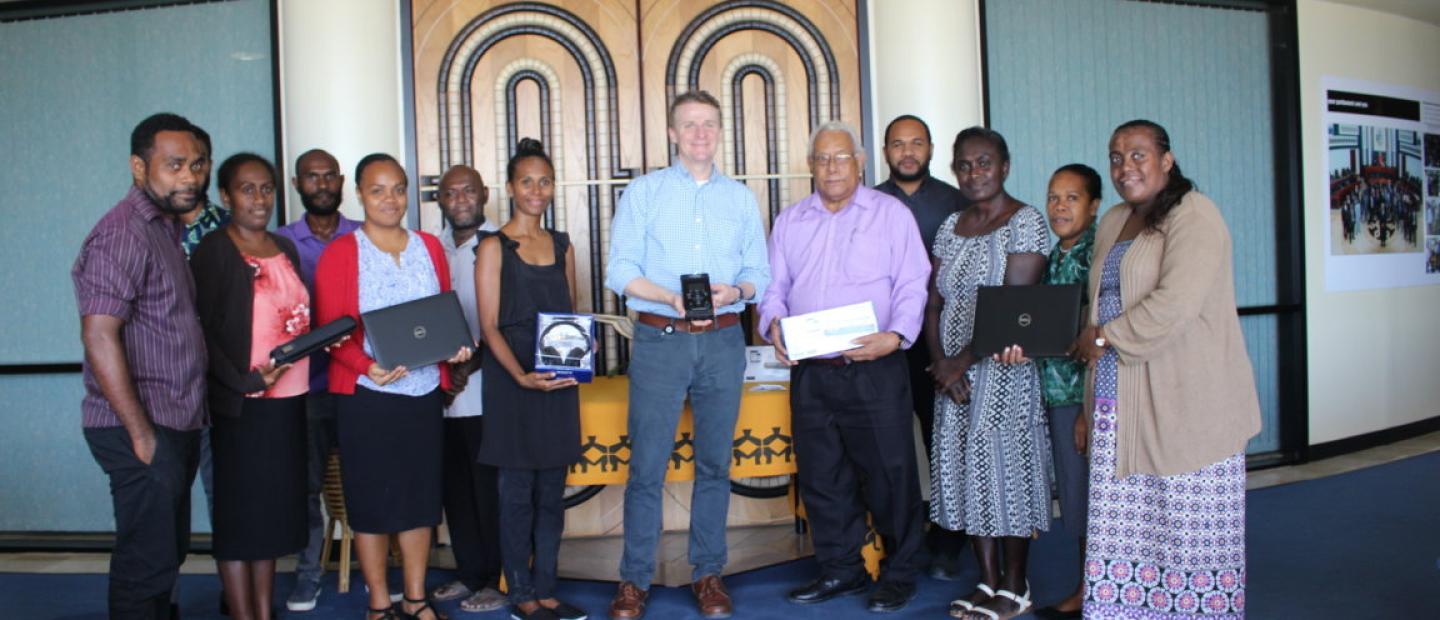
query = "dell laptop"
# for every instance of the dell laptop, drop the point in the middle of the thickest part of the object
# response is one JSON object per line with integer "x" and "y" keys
{"x": 417, "y": 333}
{"x": 1042, "y": 318}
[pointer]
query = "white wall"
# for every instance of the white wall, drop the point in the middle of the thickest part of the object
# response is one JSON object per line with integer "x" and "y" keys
{"x": 925, "y": 60}
{"x": 340, "y": 85}
{"x": 1374, "y": 355}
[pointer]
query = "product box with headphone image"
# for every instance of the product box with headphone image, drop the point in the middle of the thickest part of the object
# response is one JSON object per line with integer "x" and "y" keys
{"x": 565, "y": 345}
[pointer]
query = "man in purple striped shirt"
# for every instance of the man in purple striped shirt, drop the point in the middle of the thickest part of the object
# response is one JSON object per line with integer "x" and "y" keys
{"x": 145, "y": 363}
{"x": 850, "y": 413}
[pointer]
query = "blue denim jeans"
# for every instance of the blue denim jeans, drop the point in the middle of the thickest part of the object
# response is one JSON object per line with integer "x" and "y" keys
{"x": 664, "y": 368}
{"x": 320, "y": 442}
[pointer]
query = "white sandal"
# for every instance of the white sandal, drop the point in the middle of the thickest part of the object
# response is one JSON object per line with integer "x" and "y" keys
{"x": 1022, "y": 602}
{"x": 959, "y": 606}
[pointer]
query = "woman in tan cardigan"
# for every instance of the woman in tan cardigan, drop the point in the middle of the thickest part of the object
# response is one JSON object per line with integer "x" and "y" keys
{"x": 1172, "y": 395}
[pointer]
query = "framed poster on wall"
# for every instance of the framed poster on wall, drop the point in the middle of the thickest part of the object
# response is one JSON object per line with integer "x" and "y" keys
{"x": 1383, "y": 183}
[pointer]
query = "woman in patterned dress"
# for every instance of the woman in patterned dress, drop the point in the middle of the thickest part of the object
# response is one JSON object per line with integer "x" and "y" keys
{"x": 1173, "y": 397}
{"x": 988, "y": 470}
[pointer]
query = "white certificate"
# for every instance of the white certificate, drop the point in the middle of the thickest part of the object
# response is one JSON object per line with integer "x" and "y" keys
{"x": 827, "y": 331}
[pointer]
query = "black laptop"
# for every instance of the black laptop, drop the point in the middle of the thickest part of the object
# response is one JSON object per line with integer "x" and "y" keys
{"x": 1042, "y": 318}
{"x": 417, "y": 333}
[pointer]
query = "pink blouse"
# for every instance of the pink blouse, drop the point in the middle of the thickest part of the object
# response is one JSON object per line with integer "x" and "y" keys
{"x": 281, "y": 312}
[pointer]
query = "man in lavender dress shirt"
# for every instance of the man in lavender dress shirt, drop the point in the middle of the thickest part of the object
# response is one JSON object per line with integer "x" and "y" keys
{"x": 320, "y": 183}
{"x": 850, "y": 413}
{"x": 145, "y": 364}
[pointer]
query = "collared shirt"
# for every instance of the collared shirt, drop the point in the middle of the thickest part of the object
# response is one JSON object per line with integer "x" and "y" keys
{"x": 1063, "y": 378}
{"x": 131, "y": 267}
{"x": 211, "y": 218}
{"x": 309, "y": 247}
{"x": 870, "y": 250}
{"x": 462, "y": 280}
{"x": 668, "y": 225}
{"x": 931, "y": 203}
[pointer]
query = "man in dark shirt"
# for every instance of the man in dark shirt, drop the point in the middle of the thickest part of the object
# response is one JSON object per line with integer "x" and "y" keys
{"x": 145, "y": 364}
{"x": 908, "y": 150}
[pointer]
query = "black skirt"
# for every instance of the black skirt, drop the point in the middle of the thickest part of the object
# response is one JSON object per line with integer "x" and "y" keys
{"x": 260, "y": 480}
{"x": 390, "y": 459}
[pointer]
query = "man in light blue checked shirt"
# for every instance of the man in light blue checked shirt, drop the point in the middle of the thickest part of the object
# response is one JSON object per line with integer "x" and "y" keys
{"x": 688, "y": 218}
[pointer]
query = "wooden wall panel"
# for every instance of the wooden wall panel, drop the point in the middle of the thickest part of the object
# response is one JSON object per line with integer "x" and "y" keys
{"x": 592, "y": 79}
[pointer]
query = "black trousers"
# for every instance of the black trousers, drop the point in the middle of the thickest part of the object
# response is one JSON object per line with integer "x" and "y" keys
{"x": 471, "y": 497}
{"x": 922, "y": 391}
{"x": 152, "y": 517}
{"x": 532, "y": 506}
{"x": 855, "y": 448}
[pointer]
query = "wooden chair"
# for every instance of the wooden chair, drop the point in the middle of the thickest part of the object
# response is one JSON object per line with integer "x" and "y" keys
{"x": 334, "y": 497}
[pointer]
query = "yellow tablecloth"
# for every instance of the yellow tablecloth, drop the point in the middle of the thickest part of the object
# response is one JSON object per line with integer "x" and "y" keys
{"x": 763, "y": 445}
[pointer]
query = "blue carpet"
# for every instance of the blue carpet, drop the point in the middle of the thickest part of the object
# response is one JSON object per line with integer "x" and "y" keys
{"x": 1360, "y": 545}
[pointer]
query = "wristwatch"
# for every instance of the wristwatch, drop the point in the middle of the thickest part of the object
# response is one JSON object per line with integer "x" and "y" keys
{"x": 1100, "y": 339}
{"x": 904, "y": 342}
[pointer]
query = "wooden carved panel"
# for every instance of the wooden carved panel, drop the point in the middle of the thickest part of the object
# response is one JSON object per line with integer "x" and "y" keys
{"x": 592, "y": 80}
{"x": 489, "y": 73}
{"x": 779, "y": 69}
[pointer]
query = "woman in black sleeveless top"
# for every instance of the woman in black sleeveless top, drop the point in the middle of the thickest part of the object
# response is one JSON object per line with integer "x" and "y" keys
{"x": 532, "y": 419}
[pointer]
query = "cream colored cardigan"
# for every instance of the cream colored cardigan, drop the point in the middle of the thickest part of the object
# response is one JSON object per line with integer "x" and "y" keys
{"x": 1186, "y": 389}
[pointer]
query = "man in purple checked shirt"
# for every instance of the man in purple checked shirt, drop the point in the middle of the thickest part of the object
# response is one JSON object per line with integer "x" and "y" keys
{"x": 145, "y": 363}
{"x": 850, "y": 413}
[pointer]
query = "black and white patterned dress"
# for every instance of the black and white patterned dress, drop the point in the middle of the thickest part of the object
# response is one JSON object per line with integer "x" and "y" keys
{"x": 989, "y": 470}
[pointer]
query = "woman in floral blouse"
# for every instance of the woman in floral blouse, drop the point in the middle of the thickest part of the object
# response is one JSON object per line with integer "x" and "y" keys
{"x": 250, "y": 298}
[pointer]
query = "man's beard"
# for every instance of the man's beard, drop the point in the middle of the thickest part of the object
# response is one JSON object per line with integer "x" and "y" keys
{"x": 474, "y": 221}
{"x": 312, "y": 206}
{"x": 168, "y": 205}
{"x": 923, "y": 172}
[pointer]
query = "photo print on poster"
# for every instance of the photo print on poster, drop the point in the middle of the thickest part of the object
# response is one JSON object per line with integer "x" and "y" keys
{"x": 1375, "y": 190}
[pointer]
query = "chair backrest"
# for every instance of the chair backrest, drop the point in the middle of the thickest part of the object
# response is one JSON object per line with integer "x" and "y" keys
{"x": 332, "y": 491}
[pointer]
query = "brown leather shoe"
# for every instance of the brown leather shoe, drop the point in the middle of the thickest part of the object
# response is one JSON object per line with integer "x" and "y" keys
{"x": 711, "y": 597}
{"x": 629, "y": 602}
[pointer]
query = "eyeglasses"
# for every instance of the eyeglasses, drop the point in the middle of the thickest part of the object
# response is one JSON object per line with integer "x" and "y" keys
{"x": 825, "y": 159}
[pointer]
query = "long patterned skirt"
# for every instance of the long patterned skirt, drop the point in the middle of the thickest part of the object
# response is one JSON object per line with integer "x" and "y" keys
{"x": 1163, "y": 547}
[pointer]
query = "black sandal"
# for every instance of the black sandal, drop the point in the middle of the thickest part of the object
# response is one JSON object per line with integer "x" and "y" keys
{"x": 388, "y": 613}
{"x": 424, "y": 605}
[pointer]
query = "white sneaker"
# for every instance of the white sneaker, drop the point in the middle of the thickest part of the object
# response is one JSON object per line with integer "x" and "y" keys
{"x": 304, "y": 596}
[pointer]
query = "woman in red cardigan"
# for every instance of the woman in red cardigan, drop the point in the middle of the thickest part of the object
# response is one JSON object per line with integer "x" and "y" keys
{"x": 389, "y": 421}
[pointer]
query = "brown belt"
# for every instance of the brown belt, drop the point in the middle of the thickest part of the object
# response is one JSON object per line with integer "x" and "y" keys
{"x": 682, "y": 325}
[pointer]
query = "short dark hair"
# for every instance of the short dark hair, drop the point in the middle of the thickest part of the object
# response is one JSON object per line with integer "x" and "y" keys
{"x": 906, "y": 117}
{"x": 692, "y": 96}
{"x": 312, "y": 152}
{"x": 232, "y": 165}
{"x": 982, "y": 133}
{"x": 204, "y": 137}
{"x": 142, "y": 138}
{"x": 1090, "y": 176}
{"x": 526, "y": 148}
{"x": 365, "y": 162}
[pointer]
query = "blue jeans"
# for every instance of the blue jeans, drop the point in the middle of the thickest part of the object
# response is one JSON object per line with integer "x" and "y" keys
{"x": 320, "y": 441}
{"x": 664, "y": 368}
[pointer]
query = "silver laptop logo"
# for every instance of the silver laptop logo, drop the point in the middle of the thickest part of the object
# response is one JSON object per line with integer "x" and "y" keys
{"x": 1024, "y": 320}
{"x": 419, "y": 332}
